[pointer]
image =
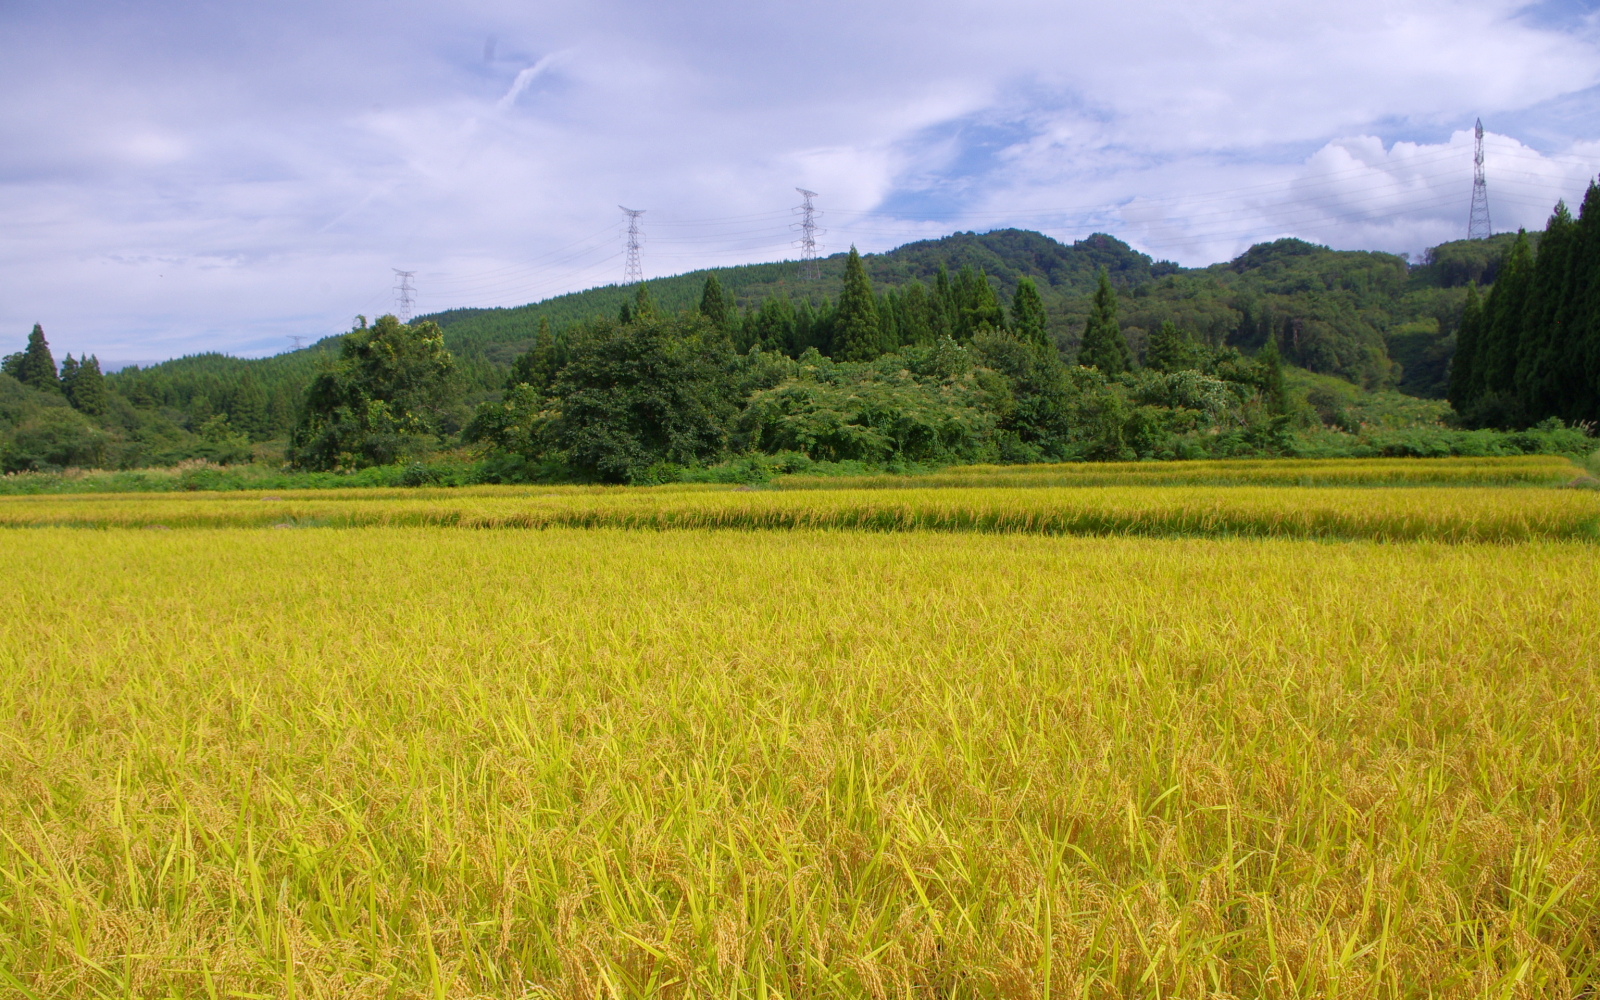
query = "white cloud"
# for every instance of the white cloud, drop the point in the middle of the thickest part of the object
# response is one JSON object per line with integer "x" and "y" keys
{"x": 184, "y": 177}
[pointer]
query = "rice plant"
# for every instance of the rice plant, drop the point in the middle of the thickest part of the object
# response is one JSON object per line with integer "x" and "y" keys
{"x": 1452, "y": 514}
{"x": 414, "y": 762}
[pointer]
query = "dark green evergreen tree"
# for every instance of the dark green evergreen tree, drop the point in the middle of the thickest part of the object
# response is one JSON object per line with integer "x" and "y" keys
{"x": 644, "y": 307}
{"x": 85, "y": 385}
{"x": 1536, "y": 380}
{"x": 1171, "y": 349}
{"x": 36, "y": 367}
{"x": 975, "y": 305}
{"x": 1505, "y": 312}
{"x": 538, "y": 366}
{"x": 1273, "y": 391}
{"x": 1027, "y": 314}
{"x": 916, "y": 308}
{"x": 1580, "y": 351}
{"x": 1463, "y": 390}
{"x": 771, "y": 327}
{"x": 857, "y": 333}
{"x": 945, "y": 307}
{"x": 69, "y": 374}
{"x": 1104, "y": 347}
{"x": 247, "y": 411}
{"x": 713, "y": 305}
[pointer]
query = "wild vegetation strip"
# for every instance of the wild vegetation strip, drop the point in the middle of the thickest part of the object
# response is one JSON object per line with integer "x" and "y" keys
{"x": 1446, "y": 514}
{"x": 426, "y": 763}
{"x": 1515, "y": 471}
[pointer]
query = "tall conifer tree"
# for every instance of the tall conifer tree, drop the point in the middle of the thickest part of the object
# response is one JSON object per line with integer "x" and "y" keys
{"x": 247, "y": 410}
{"x": 1536, "y": 380}
{"x": 857, "y": 335}
{"x": 1505, "y": 312}
{"x": 1463, "y": 390}
{"x": 89, "y": 392}
{"x": 1581, "y": 351}
{"x": 1273, "y": 390}
{"x": 713, "y": 305}
{"x": 1171, "y": 349}
{"x": 1104, "y": 347}
{"x": 644, "y": 307}
{"x": 36, "y": 367}
{"x": 1027, "y": 314}
{"x": 944, "y": 305}
{"x": 975, "y": 306}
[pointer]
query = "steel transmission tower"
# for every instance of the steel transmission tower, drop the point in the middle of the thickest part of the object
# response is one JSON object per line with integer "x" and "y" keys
{"x": 634, "y": 272}
{"x": 1478, "y": 227}
{"x": 810, "y": 267}
{"x": 405, "y": 294}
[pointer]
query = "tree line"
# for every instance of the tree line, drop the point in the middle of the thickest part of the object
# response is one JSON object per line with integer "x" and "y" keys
{"x": 640, "y": 397}
{"x": 967, "y": 366}
{"x": 1529, "y": 350}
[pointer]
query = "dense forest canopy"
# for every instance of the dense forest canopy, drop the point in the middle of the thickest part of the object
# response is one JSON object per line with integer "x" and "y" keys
{"x": 1375, "y": 320}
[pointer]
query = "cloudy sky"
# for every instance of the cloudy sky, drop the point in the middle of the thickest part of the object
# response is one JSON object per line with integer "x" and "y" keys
{"x": 180, "y": 177}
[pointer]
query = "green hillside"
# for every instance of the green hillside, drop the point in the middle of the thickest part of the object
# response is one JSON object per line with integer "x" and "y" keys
{"x": 1372, "y": 319}
{"x": 1347, "y": 313}
{"x": 1064, "y": 274}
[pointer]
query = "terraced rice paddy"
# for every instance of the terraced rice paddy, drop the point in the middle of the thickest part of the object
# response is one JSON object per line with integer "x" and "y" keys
{"x": 989, "y": 760}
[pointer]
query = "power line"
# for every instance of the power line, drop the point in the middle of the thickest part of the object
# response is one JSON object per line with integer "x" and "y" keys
{"x": 633, "y": 272}
{"x": 1478, "y": 227}
{"x": 405, "y": 295}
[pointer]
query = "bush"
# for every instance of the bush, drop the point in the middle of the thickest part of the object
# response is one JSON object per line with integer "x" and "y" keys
{"x": 872, "y": 412}
{"x": 53, "y": 438}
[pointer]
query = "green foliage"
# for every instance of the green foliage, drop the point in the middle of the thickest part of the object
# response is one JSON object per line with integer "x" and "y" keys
{"x": 261, "y": 396}
{"x": 34, "y": 366}
{"x": 713, "y": 305}
{"x": 629, "y": 398}
{"x": 972, "y": 305}
{"x": 858, "y": 336}
{"x": 85, "y": 386}
{"x": 1364, "y": 317}
{"x": 1273, "y": 392}
{"x": 1464, "y": 262}
{"x": 1170, "y": 349}
{"x": 390, "y": 391}
{"x": 1104, "y": 347}
{"x": 1329, "y": 310}
{"x": 1028, "y": 318}
{"x": 1463, "y": 387}
{"x": 1531, "y": 352}
{"x": 1423, "y": 354}
{"x": 1062, "y": 274}
{"x": 926, "y": 406}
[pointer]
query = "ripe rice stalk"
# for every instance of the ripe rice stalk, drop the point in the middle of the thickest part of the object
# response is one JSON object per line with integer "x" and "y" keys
{"x": 1444, "y": 514}
{"x": 419, "y": 762}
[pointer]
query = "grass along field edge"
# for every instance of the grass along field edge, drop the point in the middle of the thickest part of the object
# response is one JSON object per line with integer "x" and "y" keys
{"x": 1527, "y": 470}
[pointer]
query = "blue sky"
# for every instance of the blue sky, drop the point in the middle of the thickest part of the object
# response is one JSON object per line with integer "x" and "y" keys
{"x": 187, "y": 177}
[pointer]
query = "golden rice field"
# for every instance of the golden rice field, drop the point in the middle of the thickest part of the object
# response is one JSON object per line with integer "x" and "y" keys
{"x": 1004, "y": 758}
{"x": 1453, "y": 514}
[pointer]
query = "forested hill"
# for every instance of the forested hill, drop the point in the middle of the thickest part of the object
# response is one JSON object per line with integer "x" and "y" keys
{"x": 1064, "y": 274}
{"x": 1372, "y": 318}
